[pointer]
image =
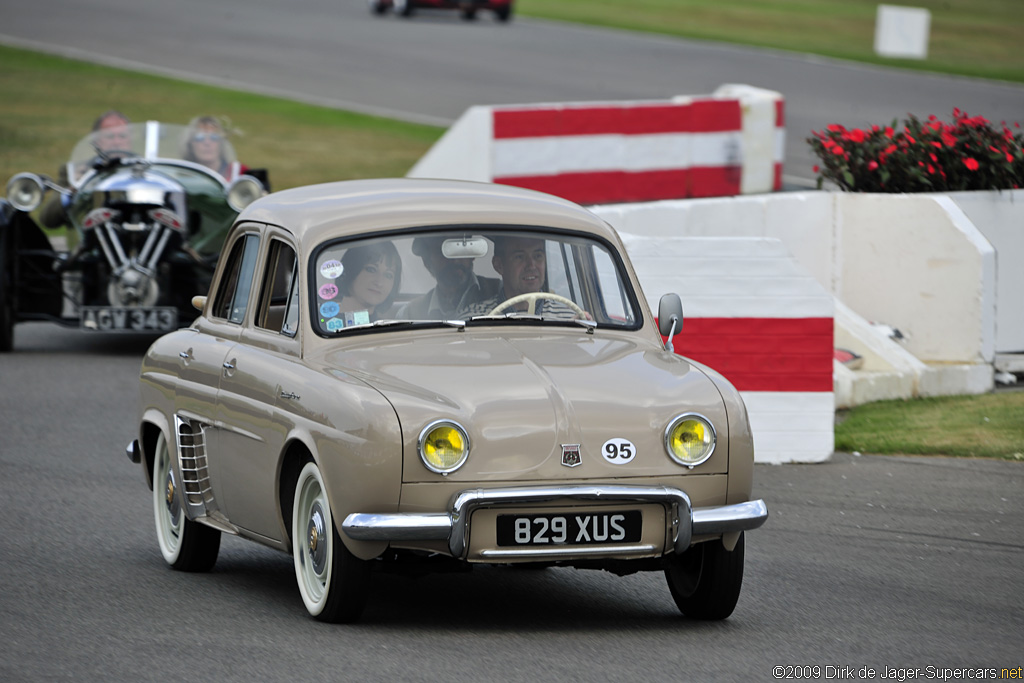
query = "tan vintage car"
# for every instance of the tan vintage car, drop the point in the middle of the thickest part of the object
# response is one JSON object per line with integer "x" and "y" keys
{"x": 405, "y": 371}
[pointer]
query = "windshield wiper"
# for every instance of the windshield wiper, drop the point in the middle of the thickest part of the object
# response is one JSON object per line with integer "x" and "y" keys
{"x": 588, "y": 325}
{"x": 506, "y": 316}
{"x": 392, "y": 322}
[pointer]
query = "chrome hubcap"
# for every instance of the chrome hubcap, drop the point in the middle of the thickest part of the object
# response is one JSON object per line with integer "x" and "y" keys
{"x": 173, "y": 509}
{"x": 316, "y": 543}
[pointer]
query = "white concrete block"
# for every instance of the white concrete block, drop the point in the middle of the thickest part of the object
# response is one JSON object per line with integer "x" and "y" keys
{"x": 902, "y": 31}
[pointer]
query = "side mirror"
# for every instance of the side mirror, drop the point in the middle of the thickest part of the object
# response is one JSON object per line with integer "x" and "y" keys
{"x": 199, "y": 302}
{"x": 670, "y": 317}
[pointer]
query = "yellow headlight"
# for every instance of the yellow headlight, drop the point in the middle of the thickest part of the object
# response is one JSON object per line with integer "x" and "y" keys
{"x": 690, "y": 439}
{"x": 443, "y": 446}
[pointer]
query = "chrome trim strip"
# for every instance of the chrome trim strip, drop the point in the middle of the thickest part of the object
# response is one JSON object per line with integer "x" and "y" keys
{"x": 567, "y": 551}
{"x": 727, "y": 518}
{"x": 453, "y": 526}
{"x": 365, "y": 526}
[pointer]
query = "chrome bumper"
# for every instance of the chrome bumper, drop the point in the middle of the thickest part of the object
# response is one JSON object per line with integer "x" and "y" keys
{"x": 453, "y": 526}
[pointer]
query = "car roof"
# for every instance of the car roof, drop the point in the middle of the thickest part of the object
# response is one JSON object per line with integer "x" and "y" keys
{"x": 316, "y": 212}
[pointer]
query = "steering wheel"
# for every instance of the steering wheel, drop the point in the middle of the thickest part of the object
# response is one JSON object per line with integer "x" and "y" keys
{"x": 532, "y": 298}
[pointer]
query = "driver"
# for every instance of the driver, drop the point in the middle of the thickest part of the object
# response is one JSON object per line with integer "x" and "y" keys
{"x": 522, "y": 264}
{"x": 457, "y": 285}
{"x": 110, "y": 133}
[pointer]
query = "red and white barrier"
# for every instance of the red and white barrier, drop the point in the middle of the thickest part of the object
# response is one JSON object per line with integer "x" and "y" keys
{"x": 753, "y": 314}
{"x": 594, "y": 153}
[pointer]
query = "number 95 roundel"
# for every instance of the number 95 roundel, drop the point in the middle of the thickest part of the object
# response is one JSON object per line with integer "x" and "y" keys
{"x": 618, "y": 451}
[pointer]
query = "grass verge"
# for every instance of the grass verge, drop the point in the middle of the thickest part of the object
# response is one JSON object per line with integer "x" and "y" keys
{"x": 968, "y": 37}
{"x": 988, "y": 425}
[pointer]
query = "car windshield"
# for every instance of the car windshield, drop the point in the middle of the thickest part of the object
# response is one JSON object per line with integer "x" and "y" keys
{"x": 153, "y": 141}
{"x": 475, "y": 274}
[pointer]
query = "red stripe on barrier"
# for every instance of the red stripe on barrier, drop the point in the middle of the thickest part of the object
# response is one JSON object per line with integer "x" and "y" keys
{"x": 526, "y": 123}
{"x": 762, "y": 354}
{"x": 634, "y": 186}
{"x": 612, "y": 186}
{"x": 777, "y": 183}
{"x": 700, "y": 117}
{"x": 712, "y": 116}
{"x": 714, "y": 181}
{"x": 651, "y": 119}
{"x": 780, "y": 113}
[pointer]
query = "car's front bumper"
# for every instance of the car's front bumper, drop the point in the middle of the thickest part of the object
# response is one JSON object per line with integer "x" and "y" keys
{"x": 683, "y": 521}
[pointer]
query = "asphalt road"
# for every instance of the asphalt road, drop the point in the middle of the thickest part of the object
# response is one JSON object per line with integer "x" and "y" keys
{"x": 865, "y": 561}
{"x": 433, "y": 67}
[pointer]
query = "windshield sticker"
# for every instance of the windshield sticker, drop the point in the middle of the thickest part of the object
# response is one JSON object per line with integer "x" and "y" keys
{"x": 329, "y": 309}
{"x": 618, "y": 451}
{"x": 328, "y": 291}
{"x": 331, "y": 269}
{"x": 356, "y": 318}
{"x": 334, "y": 324}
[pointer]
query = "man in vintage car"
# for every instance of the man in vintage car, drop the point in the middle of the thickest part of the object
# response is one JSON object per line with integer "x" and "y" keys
{"x": 522, "y": 264}
{"x": 457, "y": 285}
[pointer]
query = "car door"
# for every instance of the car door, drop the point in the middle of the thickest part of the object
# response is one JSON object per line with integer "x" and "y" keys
{"x": 252, "y": 432}
{"x": 203, "y": 358}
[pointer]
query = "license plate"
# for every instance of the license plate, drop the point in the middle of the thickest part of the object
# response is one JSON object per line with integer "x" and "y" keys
{"x": 577, "y": 528}
{"x": 113, "y": 319}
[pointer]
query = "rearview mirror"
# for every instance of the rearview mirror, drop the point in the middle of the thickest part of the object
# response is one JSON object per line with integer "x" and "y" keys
{"x": 670, "y": 317}
{"x": 464, "y": 247}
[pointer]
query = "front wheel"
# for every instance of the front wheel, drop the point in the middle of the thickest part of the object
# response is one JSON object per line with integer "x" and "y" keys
{"x": 705, "y": 581}
{"x": 332, "y": 581}
{"x": 187, "y": 546}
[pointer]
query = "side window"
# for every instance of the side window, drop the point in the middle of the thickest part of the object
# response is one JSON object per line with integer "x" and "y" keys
{"x": 278, "y": 310}
{"x": 616, "y": 306}
{"x": 236, "y": 282}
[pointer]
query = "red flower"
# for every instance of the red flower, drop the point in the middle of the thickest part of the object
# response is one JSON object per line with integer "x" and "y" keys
{"x": 910, "y": 139}
{"x": 1009, "y": 158}
{"x": 888, "y": 131}
{"x": 837, "y": 150}
{"x": 971, "y": 164}
{"x": 934, "y": 158}
{"x": 816, "y": 168}
{"x": 872, "y": 165}
{"x": 856, "y": 135}
{"x": 948, "y": 139}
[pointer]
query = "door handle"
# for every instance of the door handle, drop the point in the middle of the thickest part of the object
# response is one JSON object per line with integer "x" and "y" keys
{"x": 288, "y": 394}
{"x": 229, "y": 365}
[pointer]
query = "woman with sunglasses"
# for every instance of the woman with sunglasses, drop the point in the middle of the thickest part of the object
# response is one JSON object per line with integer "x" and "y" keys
{"x": 206, "y": 143}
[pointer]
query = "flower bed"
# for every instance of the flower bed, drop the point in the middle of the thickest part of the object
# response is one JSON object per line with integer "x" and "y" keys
{"x": 970, "y": 153}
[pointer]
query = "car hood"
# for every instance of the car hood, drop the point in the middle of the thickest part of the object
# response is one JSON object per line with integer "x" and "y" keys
{"x": 523, "y": 401}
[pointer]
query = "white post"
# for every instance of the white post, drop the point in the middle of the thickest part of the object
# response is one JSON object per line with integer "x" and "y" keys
{"x": 902, "y": 32}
